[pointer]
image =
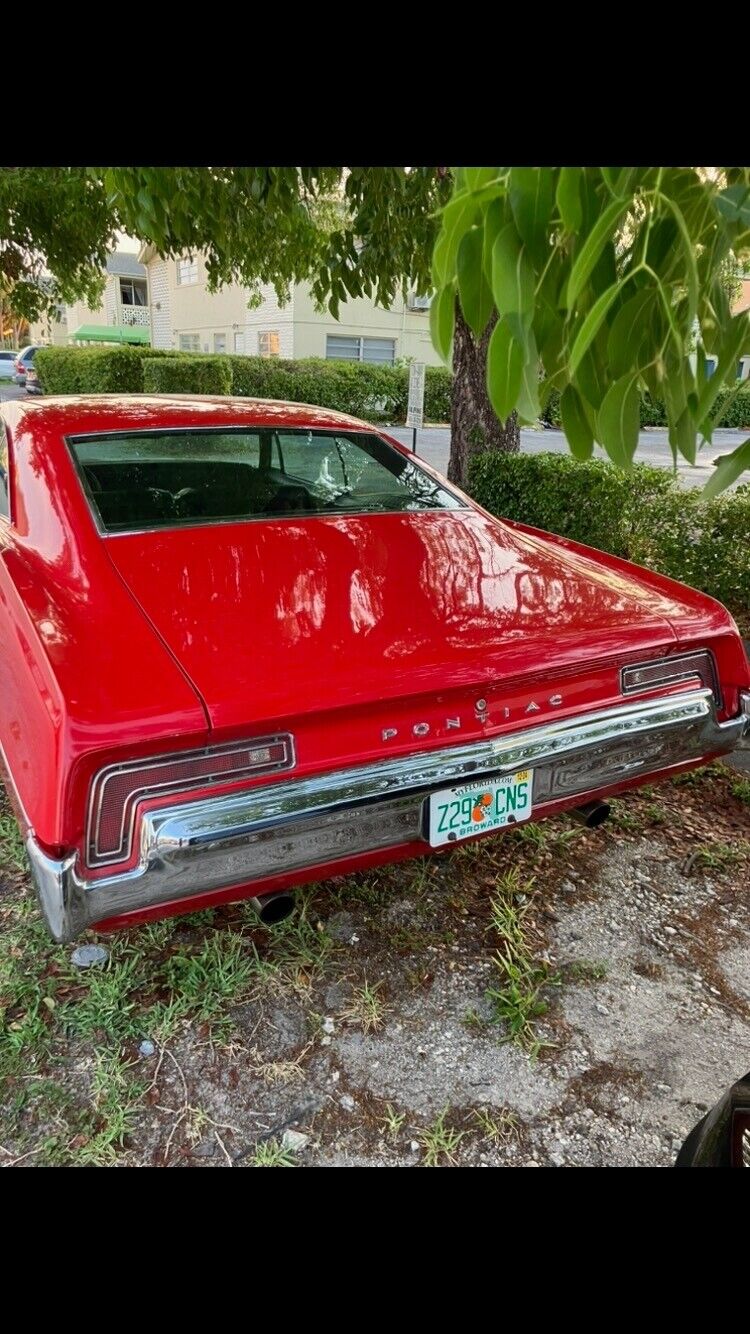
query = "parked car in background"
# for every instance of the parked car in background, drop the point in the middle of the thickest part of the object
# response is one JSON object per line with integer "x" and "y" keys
{"x": 24, "y": 359}
{"x": 247, "y": 644}
{"x": 7, "y": 364}
{"x": 32, "y": 382}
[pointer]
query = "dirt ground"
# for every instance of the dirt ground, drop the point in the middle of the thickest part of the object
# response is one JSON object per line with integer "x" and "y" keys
{"x": 374, "y": 1028}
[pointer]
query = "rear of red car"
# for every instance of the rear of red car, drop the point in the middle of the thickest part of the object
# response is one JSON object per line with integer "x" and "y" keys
{"x": 363, "y": 665}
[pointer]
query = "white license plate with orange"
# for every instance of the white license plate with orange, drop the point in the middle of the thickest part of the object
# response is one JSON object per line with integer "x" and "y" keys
{"x": 477, "y": 808}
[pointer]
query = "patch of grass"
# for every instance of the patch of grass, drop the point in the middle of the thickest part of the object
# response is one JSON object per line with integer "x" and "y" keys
{"x": 721, "y": 856}
{"x": 499, "y": 1125}
{"x": 271, "y": 1153}
{"x": 439, "y": 1142}
{"x": 741, "y": 790}
{"x": 623, "y": 818}
{"x": 393, "y": 1122}
{"x": 694, "y": 777}
{"x": 585, "y": 970}
{"x": 12, "y": 850}
{"x": 366, "y": 1008}
{"x": 517, "y": 1000}
{"x": 655, "y": 813}
{"x": 474, "y": 1021}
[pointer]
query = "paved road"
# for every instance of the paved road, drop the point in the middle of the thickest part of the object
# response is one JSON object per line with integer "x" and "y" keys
{"x": 433, "y": 444}
{"x": 9, "y": 391}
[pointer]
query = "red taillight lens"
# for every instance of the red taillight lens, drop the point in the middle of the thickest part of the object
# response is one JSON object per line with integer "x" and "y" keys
{"x": 676, "y": 669}
{"x": 116, "y": 791}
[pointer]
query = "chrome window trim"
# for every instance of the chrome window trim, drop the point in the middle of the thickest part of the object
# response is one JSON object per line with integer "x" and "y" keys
{"x": 669, "y": 680}
{"x": 101, "y": 778}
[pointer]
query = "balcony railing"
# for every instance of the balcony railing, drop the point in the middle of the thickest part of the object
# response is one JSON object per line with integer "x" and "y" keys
{"x": 134, "y": 315}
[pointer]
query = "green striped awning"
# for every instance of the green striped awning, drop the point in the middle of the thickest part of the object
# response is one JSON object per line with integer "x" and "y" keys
{"x": 110, "y": 333}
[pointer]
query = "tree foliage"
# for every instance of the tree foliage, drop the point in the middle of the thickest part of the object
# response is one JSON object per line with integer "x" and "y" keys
{"x": 604, "y": 280}
{"x": 348, "y": 231}
{"x": 56, "y": 223}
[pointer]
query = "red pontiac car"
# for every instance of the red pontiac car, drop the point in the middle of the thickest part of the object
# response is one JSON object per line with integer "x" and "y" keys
{"x": 247, "y": 644}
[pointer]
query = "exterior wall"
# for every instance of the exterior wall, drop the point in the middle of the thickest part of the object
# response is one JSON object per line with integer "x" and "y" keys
{"x": 194, "y": 310}
{"x": 79, "y": 313}
{"x": 410, "y": 329}
{"x": 270, "y": 317}
{"x": 50, "y": 333}
{"x": 159, "y": 303}
{"x": 743, "y": 301}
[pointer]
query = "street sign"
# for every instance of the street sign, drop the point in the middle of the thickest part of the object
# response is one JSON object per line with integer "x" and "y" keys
{"x": 415, "y": 409}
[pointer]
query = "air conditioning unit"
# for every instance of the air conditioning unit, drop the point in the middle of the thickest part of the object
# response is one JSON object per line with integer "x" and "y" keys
{"x": 419, "y": 302}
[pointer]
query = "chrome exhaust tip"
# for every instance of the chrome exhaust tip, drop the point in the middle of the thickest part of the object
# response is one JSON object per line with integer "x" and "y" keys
{"x": 592, "y": 814}
{"x": 274, "y": 908}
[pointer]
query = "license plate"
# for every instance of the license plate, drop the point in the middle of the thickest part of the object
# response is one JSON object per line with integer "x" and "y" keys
{"x": 477, "y": 808}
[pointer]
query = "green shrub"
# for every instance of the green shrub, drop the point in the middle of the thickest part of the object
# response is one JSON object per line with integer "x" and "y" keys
{"x": 642, "y": 516}
{"x": 89, "y": 370}
{"x": 187, "y": 375}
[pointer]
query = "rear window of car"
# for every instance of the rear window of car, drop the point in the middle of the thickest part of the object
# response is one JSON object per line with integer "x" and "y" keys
{"x": 168, "y": 479}
{"x": 8, "y": 356}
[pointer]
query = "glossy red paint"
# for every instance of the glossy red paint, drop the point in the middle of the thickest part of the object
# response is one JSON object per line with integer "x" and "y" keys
{"x": 347, "y": 631}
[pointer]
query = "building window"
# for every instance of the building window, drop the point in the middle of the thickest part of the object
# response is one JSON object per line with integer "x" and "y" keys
{"x": 711, "y": 363}
{"x": 268, "y": 344}
{"x": 239, "y": 342}
{"x": 220, "y": 342}
{"x": 190, "y": 343}
{"x": 382, "y": 350}
{"x": 133, "y": 292}
{"x": 187, "y": 272}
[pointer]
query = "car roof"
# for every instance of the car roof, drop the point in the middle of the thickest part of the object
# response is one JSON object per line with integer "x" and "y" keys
{"x": 91, "y": 414}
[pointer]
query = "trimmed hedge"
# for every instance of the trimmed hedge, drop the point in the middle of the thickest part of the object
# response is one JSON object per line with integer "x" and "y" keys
{"x": 186, "y": 375}
{"x": 375, "y": 393}
{"x": 642, "y": 516}
{"x": 736, "y": 416}
{"x": 90, "y": 370}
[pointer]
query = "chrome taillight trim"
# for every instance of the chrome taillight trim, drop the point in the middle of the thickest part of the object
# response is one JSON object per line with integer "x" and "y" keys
{"x": 95, "y": 858}
{"x": 674, "y": 669}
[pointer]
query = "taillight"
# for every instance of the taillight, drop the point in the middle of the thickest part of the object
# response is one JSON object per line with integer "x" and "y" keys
{"x": 116, "y": 791}
{"x": 686, "y": 669}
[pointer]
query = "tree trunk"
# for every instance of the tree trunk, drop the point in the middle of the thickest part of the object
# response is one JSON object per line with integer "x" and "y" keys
{"x": 474, "y": 427}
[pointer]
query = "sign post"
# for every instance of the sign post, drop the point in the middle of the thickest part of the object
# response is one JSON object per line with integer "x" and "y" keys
{"x": 415, "y": 409}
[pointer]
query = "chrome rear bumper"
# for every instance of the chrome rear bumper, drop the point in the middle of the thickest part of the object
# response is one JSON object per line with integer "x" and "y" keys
{"x": 217, "y": 842}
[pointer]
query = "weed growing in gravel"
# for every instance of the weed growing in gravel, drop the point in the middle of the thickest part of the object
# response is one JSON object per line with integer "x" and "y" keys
{"x": 721, "y": 856}
{"x": 517, "y": 1000}
{"x": 272, "y": 1154}
{"x": 366, "y": 1008}
{"x": 499, "y": 1125}
{"x": 585, "y": 970}
{"x": 440, "y": 1142}
{"x": 393, "y": 1122}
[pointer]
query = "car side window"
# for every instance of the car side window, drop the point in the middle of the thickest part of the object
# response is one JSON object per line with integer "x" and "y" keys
{"x": 4, "y": 484}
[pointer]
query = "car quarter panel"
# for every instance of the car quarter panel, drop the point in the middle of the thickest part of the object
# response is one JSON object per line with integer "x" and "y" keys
{"x": 83, "y": 675}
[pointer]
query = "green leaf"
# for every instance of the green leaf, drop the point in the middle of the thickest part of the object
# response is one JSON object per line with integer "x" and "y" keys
{"x": 630, "y": 329}
{"x": 458, "y": 215}
{"x": 512, "y": 275}
{"x": 505, "y": 362}
{"x": 617, "y": 421}
{"x": 528, "y": 397}
{"x": 532, "y": 192}
{"x": 576, "y": 424}
{"x": 683, "y": 436}
{"x": 568, "y": 198}
{"x": 591, "y": 378}
{"x": 497, "y": 216}
{"x": 591, "y": 325}
{"x": 728, "y": 470}
{"x": 734, "y": 204}
{"x": 477, "y": 177}
{"x": 688, "y": 250}
{"x": 473, "y": 290}
{"x": 586, "y": 259}
{"x": 442, "y": 320}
